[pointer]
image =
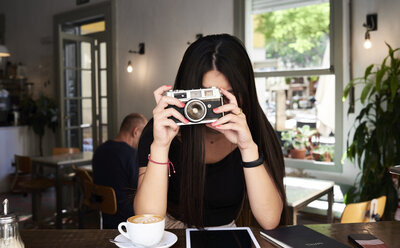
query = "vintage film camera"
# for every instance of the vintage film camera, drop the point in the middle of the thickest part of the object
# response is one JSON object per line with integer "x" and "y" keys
{"x": 199, "y": 105}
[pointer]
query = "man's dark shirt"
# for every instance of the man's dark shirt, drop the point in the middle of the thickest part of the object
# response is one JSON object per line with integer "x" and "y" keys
{"x": 115, "y": 165}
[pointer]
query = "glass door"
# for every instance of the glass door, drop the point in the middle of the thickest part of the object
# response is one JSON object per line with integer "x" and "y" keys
{"x": 78, "y": 91}
{"x": 86, "y": 72}
{"x": 101, "y": 85}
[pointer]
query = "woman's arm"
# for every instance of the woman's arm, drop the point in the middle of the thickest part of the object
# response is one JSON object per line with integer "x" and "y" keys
{"x": 151, "y": 194}
{"x": 265, "y": 201}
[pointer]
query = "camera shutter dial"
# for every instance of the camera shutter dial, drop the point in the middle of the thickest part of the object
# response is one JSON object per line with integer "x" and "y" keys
{"x": 195, "y": 110}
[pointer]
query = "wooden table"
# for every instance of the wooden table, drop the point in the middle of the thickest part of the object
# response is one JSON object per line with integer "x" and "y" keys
{"x": 58, "y": 163}
{"x": 388, "y": 232}
{"x": 302, "y": 191}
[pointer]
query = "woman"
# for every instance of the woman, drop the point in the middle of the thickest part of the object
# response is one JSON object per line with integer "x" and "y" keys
{"x": 217, "y": 163}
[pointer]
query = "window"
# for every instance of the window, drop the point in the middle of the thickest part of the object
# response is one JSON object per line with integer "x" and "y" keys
{"x": 291, "y": 45}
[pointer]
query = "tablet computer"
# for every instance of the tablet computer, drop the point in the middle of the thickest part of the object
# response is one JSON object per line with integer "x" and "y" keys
{"x": 233, "y": 237}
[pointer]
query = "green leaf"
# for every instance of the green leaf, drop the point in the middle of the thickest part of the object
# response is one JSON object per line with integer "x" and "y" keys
{"x": 391, "y": 52}
{"x": 347, "y": 90}
{"x": 394, "y": 85}
{"x": 365, "y": 92}
{"x": 379, "y": 75}
{"x": 368, "y": 71}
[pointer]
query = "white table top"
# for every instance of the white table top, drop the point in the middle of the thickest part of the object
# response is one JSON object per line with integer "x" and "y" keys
{"x": 299, "y": 190}
{"x": 64, "y": 159}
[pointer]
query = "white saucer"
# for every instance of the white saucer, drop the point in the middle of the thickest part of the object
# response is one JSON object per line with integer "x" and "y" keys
{"x": 167, "y": 240}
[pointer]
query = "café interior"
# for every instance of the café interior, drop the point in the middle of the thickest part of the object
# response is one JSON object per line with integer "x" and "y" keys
{"x": 80, "y": 66}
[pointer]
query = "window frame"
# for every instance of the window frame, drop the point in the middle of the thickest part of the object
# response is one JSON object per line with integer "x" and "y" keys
{"x": 243, "y": 30}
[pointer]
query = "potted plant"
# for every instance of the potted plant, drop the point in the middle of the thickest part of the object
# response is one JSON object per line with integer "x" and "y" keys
{"x": 375, "y": 145}
{"x": 323, "y": 153}
{"x": 298, "y": 141}
{"x": 39, "y": 114}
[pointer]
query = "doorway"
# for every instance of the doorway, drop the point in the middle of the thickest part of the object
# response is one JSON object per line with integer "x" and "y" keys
{"x": 85, "y": 75}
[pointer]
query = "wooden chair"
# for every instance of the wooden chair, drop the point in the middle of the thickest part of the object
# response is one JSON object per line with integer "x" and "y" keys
{"x": 366, "y": 211}
{"x": 378, "y": 207}
{"x": 95, "y": 197}
{"x": 23, "y": 176}
{"x": 23, "y": 182}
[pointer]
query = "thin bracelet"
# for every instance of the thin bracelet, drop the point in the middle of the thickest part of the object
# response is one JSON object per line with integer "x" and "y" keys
{"x": 254, "y": 163}
{"x": 169, "y": 163}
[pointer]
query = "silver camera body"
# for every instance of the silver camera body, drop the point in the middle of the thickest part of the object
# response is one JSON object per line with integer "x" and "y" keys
{"x": 199, "y": 105}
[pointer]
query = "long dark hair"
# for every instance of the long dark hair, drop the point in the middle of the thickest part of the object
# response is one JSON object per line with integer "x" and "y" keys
{"x": 227, "y": 55}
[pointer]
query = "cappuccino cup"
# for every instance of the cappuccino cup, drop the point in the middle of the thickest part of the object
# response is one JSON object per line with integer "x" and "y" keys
{"x": 144, "y": 229}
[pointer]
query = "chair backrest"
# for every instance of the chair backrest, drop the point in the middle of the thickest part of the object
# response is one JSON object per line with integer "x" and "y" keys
{"x": 363, "y": 211}
{"x": 100, "y": 198}
{"x": 355, "y": 212}
{"x": 83, "y": 174}
{"x": 65, "y": 150}
{"x": 377, "y": 207}
{"x": 23, "y": 164}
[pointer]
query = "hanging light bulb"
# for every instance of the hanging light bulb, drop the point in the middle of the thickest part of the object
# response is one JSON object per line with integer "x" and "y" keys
{"x": 4, "y": 51}
{"x": 140, "y": 51}
{"x": 129, "y": 68}
{"x": 371, "y": 24}
{"x": 367, "y": 41}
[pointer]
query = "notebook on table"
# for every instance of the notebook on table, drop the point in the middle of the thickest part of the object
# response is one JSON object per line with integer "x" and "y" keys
{"x": 299, "y": 236}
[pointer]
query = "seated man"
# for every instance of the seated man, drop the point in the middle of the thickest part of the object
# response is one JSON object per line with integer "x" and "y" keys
{"x": 115, "y": 165}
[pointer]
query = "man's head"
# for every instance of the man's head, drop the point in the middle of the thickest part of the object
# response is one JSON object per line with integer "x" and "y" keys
{"x": 131, "y": 128}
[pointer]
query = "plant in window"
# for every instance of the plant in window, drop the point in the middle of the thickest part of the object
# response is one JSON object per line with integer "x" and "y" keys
{"x": 323, "y": 153}
{"x": 39, "y": 114}
{"x": 298, "y": 141}
{"x": 375, "y": 145}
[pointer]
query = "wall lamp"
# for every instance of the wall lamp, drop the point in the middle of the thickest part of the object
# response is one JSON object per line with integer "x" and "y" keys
{"x": 4, "y": 51}
{"x": 370, "y": 25}
{"x": 140, "y": 51}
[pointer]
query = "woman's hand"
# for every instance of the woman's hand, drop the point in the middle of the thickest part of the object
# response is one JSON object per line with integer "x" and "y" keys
{"x": 164, "y": 128}
{"x": 233, "y": 125}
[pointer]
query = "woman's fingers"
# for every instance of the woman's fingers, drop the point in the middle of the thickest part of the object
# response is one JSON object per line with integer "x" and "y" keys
{"x": 230, "y": 118}
{"x": 226, "y": 108}
{"x": 170, "y": 112}
{"x": 159, "y": 92}
{"x": 231, "y": 97}
{"x": 169, "y": 123}
{"x": 164, "y": 101}
{"x": 229, "y": 126}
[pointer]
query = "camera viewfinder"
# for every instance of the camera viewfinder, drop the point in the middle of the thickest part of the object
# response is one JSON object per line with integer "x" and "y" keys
{"x": 180, "y": 95}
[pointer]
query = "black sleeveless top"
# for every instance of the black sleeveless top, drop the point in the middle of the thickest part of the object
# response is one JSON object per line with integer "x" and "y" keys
{"x": 224, "y": 183}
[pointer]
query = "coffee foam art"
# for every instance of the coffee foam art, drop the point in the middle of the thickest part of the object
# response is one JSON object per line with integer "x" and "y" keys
{"x": 143, "y": 229}
{"x": 145, "y": 219}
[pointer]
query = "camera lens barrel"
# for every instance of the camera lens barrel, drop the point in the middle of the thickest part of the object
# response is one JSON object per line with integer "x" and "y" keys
{"x": 195, "y": 110}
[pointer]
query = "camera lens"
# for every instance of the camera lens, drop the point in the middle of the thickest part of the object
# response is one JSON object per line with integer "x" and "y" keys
{"x": 195, "y": 110}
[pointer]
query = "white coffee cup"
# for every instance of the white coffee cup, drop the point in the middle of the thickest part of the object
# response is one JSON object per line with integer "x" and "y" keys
{"x": 143, "y": 229}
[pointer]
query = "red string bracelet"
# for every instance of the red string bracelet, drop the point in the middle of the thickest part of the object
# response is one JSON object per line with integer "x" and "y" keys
{"x": 169, "y": 163}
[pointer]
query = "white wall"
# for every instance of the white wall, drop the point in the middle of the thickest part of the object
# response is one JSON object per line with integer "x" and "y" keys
{"x": 165, "y": 26}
